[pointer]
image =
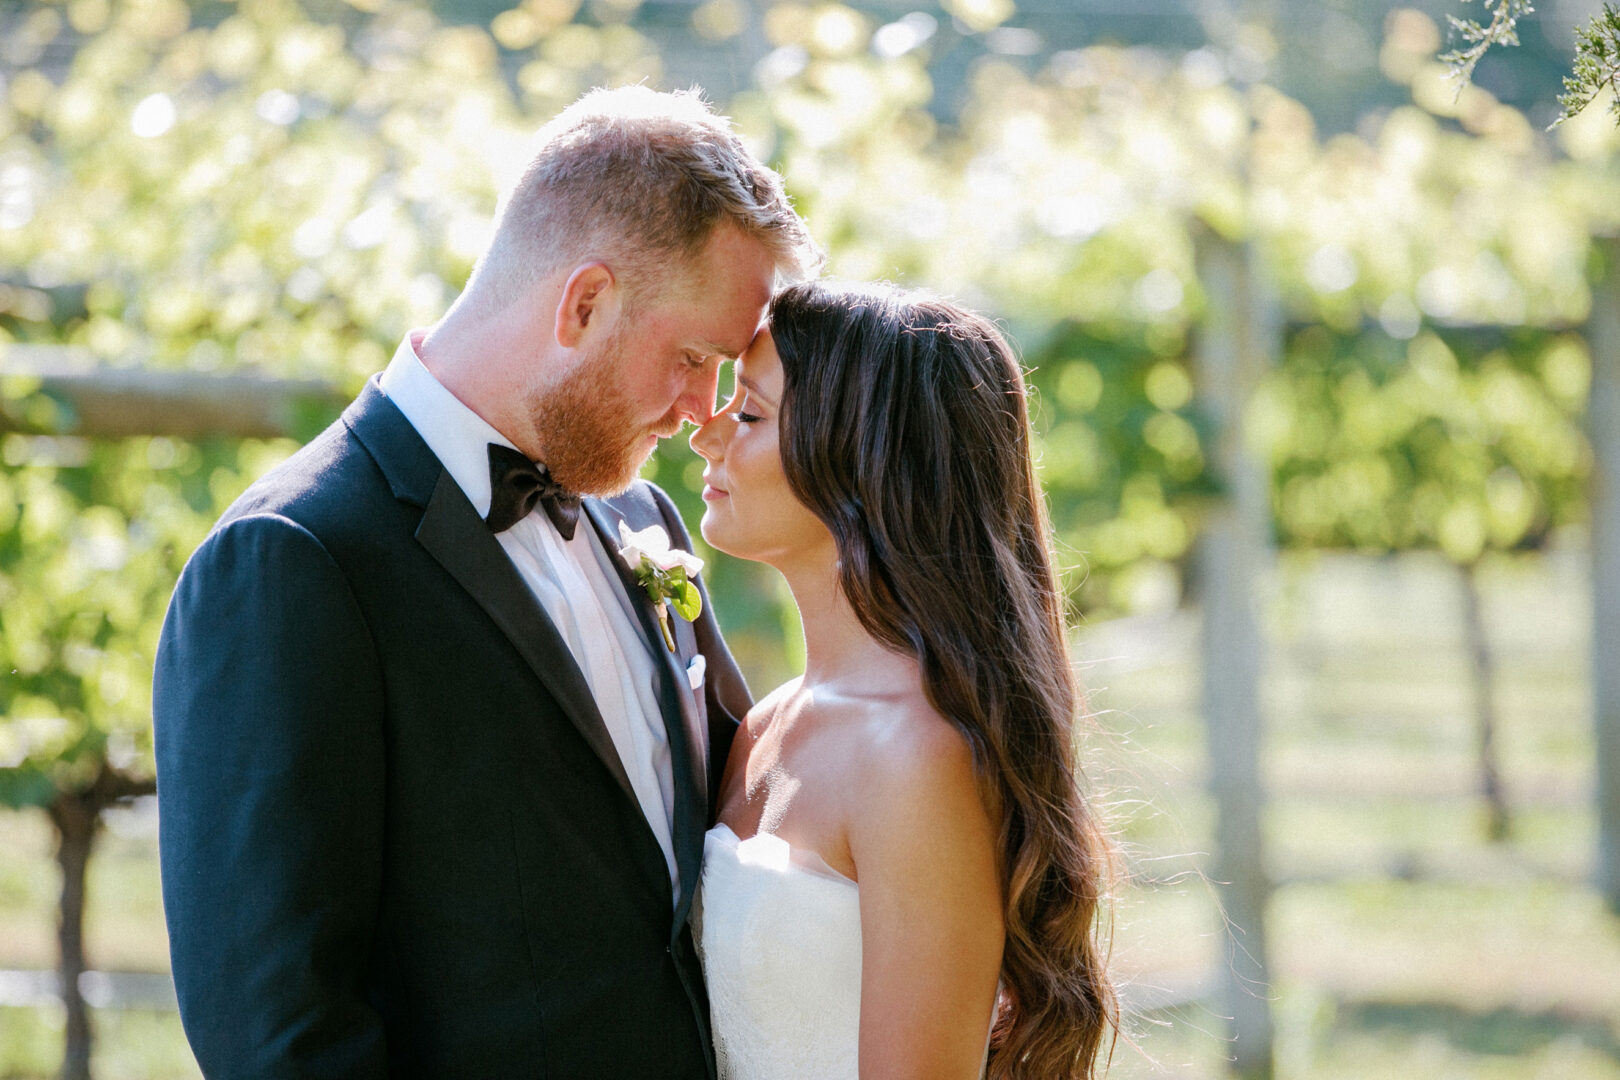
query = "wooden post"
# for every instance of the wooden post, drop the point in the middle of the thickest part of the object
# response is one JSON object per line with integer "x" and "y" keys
{"x": 1482, "y": 664}
{"x": 1236, "y": 343}
{"x": 77, "y": 815}
{"x": 118, "y": 402}
{"x": 1603, "y": 417}
{"x": 77, "y": 818}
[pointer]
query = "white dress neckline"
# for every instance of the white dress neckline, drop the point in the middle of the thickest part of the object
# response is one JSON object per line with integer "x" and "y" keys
{"x": 771, "y": 851}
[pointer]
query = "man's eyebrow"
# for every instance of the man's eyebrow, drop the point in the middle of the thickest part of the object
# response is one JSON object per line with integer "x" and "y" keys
{"x": 710, "y": 348}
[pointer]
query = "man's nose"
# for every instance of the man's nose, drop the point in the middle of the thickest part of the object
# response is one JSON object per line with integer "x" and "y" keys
{"x": 696, "y": 402}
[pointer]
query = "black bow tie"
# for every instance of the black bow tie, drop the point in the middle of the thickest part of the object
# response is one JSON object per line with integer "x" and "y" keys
{"x": 516, "y": 484}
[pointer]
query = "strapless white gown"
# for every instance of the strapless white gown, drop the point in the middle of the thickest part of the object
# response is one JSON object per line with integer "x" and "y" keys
{"x": 779, "y": 932}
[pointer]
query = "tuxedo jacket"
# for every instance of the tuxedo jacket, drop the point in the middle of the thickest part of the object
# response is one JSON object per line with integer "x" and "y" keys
{"x": 396, "y": 839}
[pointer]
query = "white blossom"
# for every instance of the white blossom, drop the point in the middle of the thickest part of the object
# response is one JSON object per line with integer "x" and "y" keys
{"x": 652, "y": 543}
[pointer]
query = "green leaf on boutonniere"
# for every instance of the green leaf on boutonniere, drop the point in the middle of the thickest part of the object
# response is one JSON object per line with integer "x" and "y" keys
{"x": 688, "y": 603}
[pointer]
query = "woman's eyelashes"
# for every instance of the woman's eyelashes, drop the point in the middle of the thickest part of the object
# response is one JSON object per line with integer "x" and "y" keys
{"x": 740, "y": 414}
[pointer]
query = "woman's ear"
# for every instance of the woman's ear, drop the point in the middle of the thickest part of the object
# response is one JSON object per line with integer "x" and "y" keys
{"x": 590, "y": 301}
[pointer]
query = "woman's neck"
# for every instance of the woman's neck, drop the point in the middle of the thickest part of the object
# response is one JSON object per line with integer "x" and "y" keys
{"x": 838, "y": 649}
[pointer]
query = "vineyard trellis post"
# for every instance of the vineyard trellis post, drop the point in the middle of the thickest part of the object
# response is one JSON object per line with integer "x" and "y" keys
{"x": 1603, "y": 417}
{"x": 104, "y": 402}
{"x": 1237, "y": 342}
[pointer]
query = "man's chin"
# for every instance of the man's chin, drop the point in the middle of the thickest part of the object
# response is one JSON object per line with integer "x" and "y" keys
{"x": 634, "y": 461}
{"x": 640, "y": 454}
{"x": 598, "y": 482}
{"x": 643, "y": 448}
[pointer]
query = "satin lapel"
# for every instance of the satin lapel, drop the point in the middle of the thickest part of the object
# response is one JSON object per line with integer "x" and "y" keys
{"x": 454, "y": 534}
{"x": 677, "y": 704}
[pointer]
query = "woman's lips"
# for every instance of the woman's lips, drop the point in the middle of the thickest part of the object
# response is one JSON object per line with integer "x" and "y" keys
{"x": 711, "y": 493}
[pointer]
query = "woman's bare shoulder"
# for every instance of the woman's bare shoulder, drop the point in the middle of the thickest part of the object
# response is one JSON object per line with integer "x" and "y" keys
{"x": 759, "y": 717}
{"x": 916, "y": 766}
{"x": 911, "y": 741}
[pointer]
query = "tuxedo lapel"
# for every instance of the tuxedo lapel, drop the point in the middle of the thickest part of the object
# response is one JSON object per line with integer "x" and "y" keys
{"x": 458, "y": 539}
{"x": 677, "y": 703}
{"x": 453, "y": 534}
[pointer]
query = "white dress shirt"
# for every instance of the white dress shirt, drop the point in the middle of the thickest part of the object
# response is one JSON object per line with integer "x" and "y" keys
{"x": 575, "y": 582}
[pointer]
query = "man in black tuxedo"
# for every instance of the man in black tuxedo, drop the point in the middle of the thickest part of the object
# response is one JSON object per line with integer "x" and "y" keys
{"x": 433, "y": 782}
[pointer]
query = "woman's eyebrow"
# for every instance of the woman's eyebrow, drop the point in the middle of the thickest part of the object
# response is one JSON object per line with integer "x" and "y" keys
{"x": 753, "y": 388}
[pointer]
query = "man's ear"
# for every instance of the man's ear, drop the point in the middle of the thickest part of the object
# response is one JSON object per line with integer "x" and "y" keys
{"x": 590, "y": 301}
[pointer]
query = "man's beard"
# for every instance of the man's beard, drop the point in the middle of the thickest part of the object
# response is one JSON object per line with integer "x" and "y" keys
{"x": 583, "y": 424}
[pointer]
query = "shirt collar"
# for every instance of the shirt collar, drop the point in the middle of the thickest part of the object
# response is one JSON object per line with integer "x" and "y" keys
{"x": 458, "y": 437}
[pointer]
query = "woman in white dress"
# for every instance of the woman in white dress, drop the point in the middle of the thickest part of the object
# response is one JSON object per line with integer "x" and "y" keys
{"x": 905, "y": 879}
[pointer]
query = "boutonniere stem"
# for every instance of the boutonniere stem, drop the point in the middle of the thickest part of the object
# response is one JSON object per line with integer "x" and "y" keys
{"x": 664, "y": 572}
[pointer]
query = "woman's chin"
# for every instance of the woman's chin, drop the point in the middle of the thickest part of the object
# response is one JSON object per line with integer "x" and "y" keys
{"x": 712, "y": 533}
{"x": 715, "y": 533}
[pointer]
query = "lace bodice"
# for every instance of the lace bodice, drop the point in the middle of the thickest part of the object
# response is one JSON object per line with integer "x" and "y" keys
{"x": 779, "y": 932}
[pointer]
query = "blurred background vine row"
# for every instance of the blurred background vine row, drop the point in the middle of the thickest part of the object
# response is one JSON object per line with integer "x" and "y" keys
{"x": 276, "y": 190}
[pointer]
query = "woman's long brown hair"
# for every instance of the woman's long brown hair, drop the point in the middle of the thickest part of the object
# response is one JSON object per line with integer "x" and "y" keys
{"x": 905, "y": 429}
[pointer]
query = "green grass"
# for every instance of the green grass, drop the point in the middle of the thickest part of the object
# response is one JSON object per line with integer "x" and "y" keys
{"x": 1403, "y": 945}
{"x": 130, "y": 1045}
{"x": 1326, "y": 1038}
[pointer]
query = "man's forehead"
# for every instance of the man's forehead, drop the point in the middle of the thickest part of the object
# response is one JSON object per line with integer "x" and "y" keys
{"x": 728, "y": 341}
{"x": 688, "y": 325}
{"x": 731, "y": 282}
{"x": 717, "y": 322}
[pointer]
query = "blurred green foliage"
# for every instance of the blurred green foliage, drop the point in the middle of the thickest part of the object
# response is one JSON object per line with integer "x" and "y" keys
{"x": 264, "y": 191}
{"x": 92, "y": 537}
{"x": 1385, "y": 445}
{"x": 288, "y": 187}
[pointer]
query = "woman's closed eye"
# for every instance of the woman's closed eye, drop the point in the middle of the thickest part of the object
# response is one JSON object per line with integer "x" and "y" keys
{"x": 741, "y": 403}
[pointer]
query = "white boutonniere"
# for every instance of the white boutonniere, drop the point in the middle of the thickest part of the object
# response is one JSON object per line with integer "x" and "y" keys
{"x": 665, "y": 572}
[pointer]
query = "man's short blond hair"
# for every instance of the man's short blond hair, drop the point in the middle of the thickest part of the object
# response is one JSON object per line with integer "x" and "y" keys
{"x": 639, "y": 180}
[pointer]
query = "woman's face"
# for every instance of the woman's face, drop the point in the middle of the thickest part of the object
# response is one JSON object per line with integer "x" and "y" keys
{"x": 750, "y": 510}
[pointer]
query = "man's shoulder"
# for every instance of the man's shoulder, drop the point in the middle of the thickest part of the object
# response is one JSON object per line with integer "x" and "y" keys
{"x": 330, "y": 481}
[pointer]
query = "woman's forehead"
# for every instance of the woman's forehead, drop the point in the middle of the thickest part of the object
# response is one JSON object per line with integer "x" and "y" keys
{"x": 760, "y": 368}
